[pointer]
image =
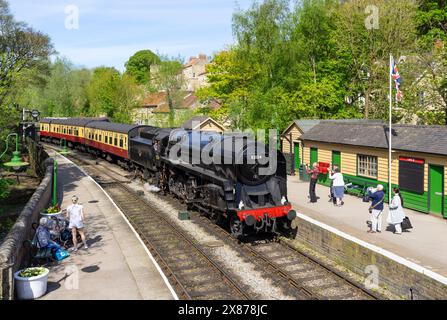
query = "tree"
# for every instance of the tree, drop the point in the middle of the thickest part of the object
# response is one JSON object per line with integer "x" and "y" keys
{"x": 431, "y": 84}
{"x": 285, "y": 65}
{"x": 139, "y": 65}
{"x": 23, "y": 52}
{"x": 22, "y": 48}
{"x": 101, "y": 91}
{"x": 112, "y": 94}
{"x": 168, "y": 78}
{"x": 367, "y": 46}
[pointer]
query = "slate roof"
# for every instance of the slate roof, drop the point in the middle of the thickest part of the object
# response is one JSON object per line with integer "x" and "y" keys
{"x": 306, "y": 124}
{"x": 112, "y": 126}
{"x": 158, "y": 101}
{"x": 196, "y": 119}
{"x": 426, "y": 139}
{"x": 72, "y": 121}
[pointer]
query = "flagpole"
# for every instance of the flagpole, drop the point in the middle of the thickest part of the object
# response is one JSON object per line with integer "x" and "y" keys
{"x": 390, "y": 130}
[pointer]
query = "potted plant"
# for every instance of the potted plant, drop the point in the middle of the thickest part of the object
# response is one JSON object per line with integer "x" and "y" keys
{"x": 31, "y": 283}
{"x": 53, "y": 210}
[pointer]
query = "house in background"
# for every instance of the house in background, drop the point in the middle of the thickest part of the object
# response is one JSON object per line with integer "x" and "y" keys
{"x": 203, "y": 123}
{"x": 154, "y": 109}
{"x": 194, "y": 72}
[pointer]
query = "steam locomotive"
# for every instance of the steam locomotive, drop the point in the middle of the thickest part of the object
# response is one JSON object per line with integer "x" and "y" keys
{"x": 228, "y": 177}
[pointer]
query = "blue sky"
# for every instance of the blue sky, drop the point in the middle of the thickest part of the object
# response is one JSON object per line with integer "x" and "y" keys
{"x": 110, "y": 31}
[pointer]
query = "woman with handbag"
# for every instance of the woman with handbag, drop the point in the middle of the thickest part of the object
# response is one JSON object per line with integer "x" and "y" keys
{"x": 378, "y": 196}
{"x": 396, "y": 214}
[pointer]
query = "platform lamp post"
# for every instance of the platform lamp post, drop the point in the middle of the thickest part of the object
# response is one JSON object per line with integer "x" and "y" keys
{"x": 16, "y": 162}
{"x": 54, "y": 183}
{"x": 64, "y": 146}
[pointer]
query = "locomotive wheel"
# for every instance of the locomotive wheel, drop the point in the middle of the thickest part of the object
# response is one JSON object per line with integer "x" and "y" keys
{"x": 215, "y": 217}
{"x": 236, "y": 227}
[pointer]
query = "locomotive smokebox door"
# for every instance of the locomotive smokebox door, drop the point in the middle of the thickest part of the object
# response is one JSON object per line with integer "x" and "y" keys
{"x": 184, "y": 215}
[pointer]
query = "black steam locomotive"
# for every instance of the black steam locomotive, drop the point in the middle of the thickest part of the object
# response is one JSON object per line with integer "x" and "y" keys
{"x": 230, "y": 177}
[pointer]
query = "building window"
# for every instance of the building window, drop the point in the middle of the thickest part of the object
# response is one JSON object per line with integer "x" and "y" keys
{"x": 367, "y": 166}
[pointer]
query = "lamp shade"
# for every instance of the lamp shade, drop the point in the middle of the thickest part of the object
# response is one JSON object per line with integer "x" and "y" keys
{"x": 16, "y": 162}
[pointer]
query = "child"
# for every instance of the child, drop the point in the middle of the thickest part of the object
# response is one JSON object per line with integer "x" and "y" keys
{"x": 76, "y": 215}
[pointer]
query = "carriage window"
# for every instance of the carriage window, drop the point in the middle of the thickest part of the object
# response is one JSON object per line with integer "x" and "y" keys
{"x": 121, "y": 143}
{"x": 100, "y": 138}
{"x": 115, "y": 141}
{"x": 106, "y": 139}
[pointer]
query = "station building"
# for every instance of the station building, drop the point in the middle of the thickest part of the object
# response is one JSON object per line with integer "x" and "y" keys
{"x": 292, "y": 146}
{"x": 360, "y": 149}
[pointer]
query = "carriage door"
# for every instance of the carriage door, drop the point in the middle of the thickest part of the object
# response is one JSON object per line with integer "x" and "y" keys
{"x": 436, "y": 188}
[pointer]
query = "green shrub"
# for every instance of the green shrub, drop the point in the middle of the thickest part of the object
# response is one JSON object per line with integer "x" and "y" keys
{"x": 4, "y": 187}
{"x": 32, "y": 272}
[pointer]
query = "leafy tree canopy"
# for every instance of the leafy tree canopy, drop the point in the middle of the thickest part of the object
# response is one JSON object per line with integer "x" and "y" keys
{"x": 139, "y": 65}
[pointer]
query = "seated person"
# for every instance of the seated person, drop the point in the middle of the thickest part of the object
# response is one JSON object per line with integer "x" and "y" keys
{"x": 43, "y": 236}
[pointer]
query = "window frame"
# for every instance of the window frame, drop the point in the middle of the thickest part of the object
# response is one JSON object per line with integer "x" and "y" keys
{"x": 367, "y": 166}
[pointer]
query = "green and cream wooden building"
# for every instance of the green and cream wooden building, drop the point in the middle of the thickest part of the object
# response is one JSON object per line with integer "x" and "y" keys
{"x": 419, "y": 158}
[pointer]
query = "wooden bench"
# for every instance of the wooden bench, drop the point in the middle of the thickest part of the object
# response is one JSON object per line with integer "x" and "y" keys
{"x": 359, "y": 186}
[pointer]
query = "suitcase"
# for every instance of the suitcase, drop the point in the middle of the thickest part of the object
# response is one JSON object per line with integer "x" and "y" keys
{"x": 406, "y": 224}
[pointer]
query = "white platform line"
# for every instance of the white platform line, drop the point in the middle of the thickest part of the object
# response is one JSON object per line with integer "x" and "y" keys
{"x": 416, "y": 267}
{"x": 165, "y": 279}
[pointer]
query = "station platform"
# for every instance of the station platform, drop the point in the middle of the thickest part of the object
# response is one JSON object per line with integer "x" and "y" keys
{"x": 116, "y": 265}
{"x": 424, "y": 245}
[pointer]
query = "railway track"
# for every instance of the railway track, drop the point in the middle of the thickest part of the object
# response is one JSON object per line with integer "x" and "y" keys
{"x": 301, "y": 271}
{"x": 191, "y": 268}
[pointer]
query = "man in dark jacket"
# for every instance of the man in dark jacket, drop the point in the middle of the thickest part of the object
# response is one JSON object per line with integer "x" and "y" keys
{"x": 378, "y": 197}
{"x": 314, "y": 172}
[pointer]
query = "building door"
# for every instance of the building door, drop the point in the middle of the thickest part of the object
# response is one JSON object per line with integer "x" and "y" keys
{"x": 297, "y": 155}
{"x": 336, "y": 159}
{"x": 313, "y": 155}
{"x": 436, "y": 188}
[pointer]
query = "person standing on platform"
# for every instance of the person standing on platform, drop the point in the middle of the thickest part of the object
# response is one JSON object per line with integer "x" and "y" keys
{"x": 338, "y": 185}
{"x": 75, "y": 213}
{"x": 397, "y": 214}
{"x": 378, "y": 196}
{"x": 314, "y": 172}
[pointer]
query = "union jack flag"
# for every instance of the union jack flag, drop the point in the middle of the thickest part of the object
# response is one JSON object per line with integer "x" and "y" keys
{"x": 397, "y": 81}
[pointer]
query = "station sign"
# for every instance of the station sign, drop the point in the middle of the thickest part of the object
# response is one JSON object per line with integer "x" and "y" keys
{"x": 412, "y": 160}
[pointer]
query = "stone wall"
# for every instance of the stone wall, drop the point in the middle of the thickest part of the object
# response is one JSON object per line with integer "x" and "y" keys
{"x": 13, "y": 254}
{"x": 401, "y": 280}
